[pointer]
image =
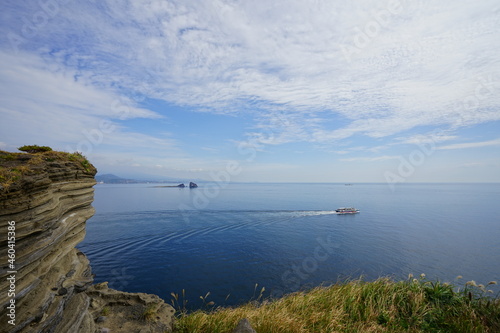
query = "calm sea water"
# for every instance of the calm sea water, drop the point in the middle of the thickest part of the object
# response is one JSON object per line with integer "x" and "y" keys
{"x": 287, "y": 237}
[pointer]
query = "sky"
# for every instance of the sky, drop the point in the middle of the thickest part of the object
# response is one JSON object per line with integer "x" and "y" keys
{"x": 257, "y": 91}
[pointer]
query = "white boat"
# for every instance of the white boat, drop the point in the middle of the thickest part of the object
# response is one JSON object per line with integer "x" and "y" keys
{"x": 347, "y": 210}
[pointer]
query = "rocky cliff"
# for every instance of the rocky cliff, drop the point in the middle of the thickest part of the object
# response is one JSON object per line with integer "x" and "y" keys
{"x": 45, "y": 282}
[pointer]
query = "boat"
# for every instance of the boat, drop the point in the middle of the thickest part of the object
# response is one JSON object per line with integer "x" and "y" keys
{"x": 347, "y": 210}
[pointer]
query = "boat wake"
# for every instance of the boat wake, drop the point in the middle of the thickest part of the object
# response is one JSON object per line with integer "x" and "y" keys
{"x": 313, "y": 213}
{"x": 197, "y": 224}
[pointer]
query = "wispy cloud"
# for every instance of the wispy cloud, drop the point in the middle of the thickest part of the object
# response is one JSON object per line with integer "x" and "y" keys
{"x": 424, "y": 65}
{"x": 370, "y": 159}
{"x": 43, "y": 105}
{"x": 495, "y": 142}
{"x": 432, "y": 137}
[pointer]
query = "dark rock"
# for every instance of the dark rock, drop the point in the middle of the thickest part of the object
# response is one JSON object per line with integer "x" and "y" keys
{"x": 181, "y": 185}
{"x": 62, "y": 291}
{"x": 24, "y": 157}
{"x": 101, "y": 319}
{"x": 244, "y": 327}
{"x": 81, "y": 286}
{"x": 192, "y": 185}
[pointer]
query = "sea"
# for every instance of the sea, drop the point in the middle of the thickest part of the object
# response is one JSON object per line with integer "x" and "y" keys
{"x": 224, "y": 244}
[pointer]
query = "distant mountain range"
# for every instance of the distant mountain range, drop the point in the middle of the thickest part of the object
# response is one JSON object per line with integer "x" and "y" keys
{"x": 114, "y": 179}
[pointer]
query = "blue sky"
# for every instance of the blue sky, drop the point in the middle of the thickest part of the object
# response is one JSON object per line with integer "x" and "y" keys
{"x": 311, "y": 91}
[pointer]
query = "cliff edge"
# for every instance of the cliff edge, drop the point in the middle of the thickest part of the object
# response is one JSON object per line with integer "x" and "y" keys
{"x": 45, "y": 282}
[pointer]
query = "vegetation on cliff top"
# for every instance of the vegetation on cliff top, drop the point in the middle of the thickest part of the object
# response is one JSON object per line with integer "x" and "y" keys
{"x": 34, "y": 149}
{"x": 14, "y": 167}
{"x": 414, "y": 305}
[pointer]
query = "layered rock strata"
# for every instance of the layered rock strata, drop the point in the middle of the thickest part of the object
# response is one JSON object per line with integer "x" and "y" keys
{"x": 45, "y": 200}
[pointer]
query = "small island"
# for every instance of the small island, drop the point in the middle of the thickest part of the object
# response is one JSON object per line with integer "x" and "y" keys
{"x": 191, "y": 185}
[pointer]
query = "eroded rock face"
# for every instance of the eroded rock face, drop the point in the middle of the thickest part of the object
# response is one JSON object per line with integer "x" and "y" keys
{"x": 48, "y": 206}
{"x": 129, "y": 312}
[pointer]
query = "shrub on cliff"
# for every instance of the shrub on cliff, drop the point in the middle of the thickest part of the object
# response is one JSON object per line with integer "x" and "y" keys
{"x": 33, "y": 149}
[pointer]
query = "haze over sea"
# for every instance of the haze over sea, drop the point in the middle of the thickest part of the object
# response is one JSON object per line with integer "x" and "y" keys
{"x": 286, "y": 236}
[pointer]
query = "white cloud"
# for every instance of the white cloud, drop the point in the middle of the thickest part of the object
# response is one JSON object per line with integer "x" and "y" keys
{"x": 43, "y": 106}
{"x": 370, "y": 159}
{"x": 430, "y": 63}
{"x": 432, "y": 137}
{"x": 213, "y": 54}
{"x": 495, "y": 142}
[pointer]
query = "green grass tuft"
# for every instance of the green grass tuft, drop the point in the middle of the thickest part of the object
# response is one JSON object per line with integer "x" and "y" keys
{"x": 149, "y": 313}
{"x": 105, "y": 311}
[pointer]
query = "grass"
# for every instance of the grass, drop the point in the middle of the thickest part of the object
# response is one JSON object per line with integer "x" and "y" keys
{"x": 11, "y": 175}
{"x": 150, "y": 312}
{"x": 15, "y": 166}
{"x": 384, "y": 305}
{"x": 105, "y": 311}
